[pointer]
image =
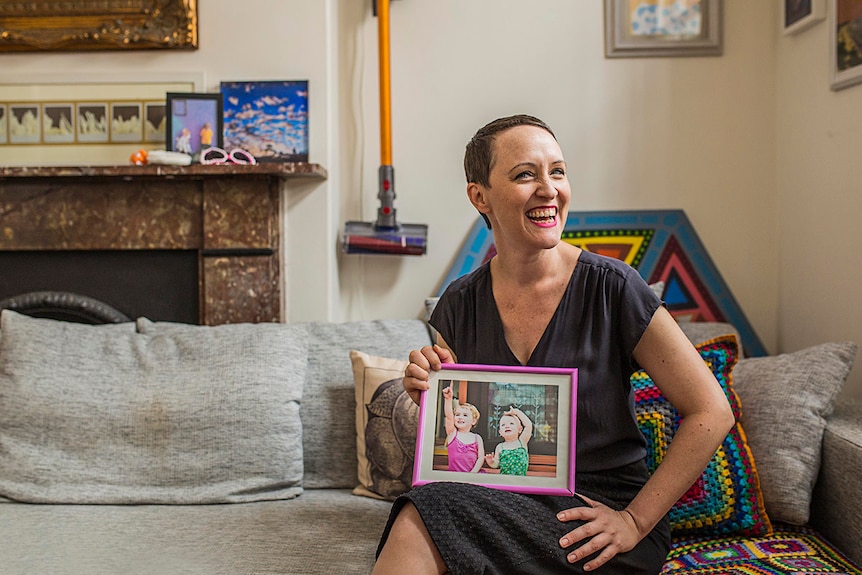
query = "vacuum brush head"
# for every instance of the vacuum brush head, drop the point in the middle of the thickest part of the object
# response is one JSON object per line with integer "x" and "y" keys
{"x": 368, "y": 238}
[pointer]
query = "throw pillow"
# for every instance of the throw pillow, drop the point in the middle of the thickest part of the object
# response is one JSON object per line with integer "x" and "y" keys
{"x": 726, "y": 498}
{"x": 386, "y": 424}
{"x": 175, "y": 415}
{"x": 787, "y": 399}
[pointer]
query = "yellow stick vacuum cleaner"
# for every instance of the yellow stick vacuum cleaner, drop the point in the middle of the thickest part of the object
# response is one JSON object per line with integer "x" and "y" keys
{"x": 386, "y": 235}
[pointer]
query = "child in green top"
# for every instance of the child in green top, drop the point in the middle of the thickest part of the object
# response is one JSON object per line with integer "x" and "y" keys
{"x": 511, "y": 455}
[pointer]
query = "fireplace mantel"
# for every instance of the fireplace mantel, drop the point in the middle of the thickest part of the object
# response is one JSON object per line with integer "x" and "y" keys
{"x": 228, "y": 214}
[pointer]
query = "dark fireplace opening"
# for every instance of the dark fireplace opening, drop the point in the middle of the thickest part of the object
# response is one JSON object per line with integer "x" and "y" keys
{"x": 161, "y": 285}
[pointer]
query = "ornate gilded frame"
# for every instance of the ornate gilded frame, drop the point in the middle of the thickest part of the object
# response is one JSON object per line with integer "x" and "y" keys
{"x": 60, "y": 25}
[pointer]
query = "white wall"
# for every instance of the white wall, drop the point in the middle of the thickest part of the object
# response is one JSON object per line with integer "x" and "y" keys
{"x": 690, "y": 133}
{"x": 752, "y": 145}
{"x": 819, "y": 200}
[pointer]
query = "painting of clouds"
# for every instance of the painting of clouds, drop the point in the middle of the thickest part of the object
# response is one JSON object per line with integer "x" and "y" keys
{"x": 269, "y": 119}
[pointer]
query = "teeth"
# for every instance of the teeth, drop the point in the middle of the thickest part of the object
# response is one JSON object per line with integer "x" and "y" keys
{"x": 542, "y": 214}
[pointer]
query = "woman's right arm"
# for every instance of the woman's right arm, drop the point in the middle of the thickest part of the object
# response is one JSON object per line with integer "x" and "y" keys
{"x": 422, "y": 363}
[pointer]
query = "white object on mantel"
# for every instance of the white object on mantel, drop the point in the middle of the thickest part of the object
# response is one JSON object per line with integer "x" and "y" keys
{"x": 167, "y": 158}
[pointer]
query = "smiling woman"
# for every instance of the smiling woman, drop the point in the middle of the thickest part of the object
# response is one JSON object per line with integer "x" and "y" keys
{"x": 98, "y": 25}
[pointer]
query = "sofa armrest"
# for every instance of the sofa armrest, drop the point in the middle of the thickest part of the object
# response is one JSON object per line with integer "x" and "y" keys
{"x": 836, "y": 507}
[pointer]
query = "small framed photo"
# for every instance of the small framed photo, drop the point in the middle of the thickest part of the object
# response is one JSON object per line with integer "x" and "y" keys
{"x": 194, "y": 122}
{"x": 799, "y": 15}
{"x": 505, "y": 427}
{"x": 650, "y": 28}
{"x": 845, "y": 45}
{"x": 154, "y": 122}
{"x": 92, "y": 122}
{"x": 25, "y": 121}
{"x": 58, "y": 123}
{"x": 3, "y": 124}
{"x": 269, "y": 119}
{"x": 126, "y": 122}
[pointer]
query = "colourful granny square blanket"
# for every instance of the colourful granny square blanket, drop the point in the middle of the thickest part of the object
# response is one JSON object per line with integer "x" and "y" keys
{"x": 788, "y": 550}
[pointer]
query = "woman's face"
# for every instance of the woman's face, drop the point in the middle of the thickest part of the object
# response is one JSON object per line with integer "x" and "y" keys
{"x": 527, "y": 199}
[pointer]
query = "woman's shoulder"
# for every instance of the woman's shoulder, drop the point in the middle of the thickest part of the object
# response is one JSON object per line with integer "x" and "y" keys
{"x": 470, "y": 279}
{"x": 607, "y": 265}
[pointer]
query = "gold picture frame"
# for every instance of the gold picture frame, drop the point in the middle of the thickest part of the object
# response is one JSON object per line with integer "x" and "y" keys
{"x": 57, "y": 25}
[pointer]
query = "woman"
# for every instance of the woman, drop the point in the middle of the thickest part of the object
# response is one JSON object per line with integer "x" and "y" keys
{"x": 544, "y": 302}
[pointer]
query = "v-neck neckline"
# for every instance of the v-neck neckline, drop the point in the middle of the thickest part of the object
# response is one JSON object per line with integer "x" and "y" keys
{"x": 498, "y": 318}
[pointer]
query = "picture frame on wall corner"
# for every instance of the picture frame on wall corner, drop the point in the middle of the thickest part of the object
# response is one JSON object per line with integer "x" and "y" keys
{"x": 799, "y": 15}
{"x": 533, "y": 409}
{"x": 193, "y": 122}
{"x": 845, "y": 43}
{"x": 663, "y": 28}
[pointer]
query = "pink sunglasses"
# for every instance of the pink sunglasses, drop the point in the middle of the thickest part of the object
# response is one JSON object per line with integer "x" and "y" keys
{"x": 220, "y": 156}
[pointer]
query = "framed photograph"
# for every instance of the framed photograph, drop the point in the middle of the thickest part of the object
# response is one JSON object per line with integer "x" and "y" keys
{"x": 268, "y": 119}
{"x": 58, "y": 123}
{"x": 126, "y": 122}
{"x": 24, "y": 123}
{"x": 92, "y": 121}
{"x": 3, "y": 124}
{"x": 650, "y": 28}
{"x": 799, "y": 15}
{"x": 154, "y": 122}
{"x": 845, "y": 43}
{"x": 505, "y": 427}
{"x": 194, "y": 122}
{"x": 127, "y": 25}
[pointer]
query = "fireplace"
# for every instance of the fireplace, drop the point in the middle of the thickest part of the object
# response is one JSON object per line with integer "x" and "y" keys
{"x": 196, "y": 244}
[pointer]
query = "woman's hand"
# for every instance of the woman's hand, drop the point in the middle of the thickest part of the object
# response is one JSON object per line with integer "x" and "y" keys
{"x": 422, "y": 362}
{"x": 611, "y": 532}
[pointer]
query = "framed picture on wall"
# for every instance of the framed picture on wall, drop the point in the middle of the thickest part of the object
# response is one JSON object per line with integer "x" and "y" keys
{"x": 513, "y": 428}
{"x": 799, "y": 15}
{"x": 126, "y": 122}
{"x": 845, "y": 43}
{"x": 58, "y": 123}
{"x": 193, "y": 122}
{"x": 91, "y": 121}
{"x": 651, "y": 28}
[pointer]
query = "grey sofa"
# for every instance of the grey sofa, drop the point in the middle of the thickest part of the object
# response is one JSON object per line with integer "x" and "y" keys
{"x": 325, "y": 529}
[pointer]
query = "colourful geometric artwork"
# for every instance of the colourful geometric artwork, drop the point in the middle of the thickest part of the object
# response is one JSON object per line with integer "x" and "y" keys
{"x": 661, "y": 244}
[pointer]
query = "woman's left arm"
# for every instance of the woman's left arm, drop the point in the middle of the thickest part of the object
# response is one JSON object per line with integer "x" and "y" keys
{"x": 676, "y": 367}
{"x": 679, "y": 371}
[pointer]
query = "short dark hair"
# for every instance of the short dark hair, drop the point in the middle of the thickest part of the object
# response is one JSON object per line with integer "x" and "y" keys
{"x": 479, "y": 157}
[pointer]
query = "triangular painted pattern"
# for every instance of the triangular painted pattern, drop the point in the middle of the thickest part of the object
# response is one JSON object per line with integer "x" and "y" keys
{"x": 661, "y": 244}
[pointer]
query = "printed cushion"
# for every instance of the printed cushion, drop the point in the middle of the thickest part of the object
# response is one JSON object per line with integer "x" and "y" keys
{"x": 177, "y": 415}
{"x": 726, "y": 498}
{"x": 386, "y": 426}
{"x": 787, "y": 399}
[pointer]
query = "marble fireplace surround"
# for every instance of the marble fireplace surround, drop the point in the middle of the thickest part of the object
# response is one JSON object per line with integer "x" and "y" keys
{"x": 228, "y": 214}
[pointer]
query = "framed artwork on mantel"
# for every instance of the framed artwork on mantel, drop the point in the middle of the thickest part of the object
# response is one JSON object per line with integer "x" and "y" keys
{"x": 653, "y": 28}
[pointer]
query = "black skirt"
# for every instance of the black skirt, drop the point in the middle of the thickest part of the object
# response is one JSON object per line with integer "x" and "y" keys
{"x": 482, "y": 531}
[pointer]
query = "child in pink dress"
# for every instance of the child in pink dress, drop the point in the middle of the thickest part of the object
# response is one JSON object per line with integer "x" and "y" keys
{"x": 462, "y": 445}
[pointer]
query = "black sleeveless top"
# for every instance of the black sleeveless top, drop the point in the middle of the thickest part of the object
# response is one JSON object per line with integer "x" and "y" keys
{"x": 601, "y": 317}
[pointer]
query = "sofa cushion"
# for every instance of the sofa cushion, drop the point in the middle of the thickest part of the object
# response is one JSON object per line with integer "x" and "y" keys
{"x": 726, "y": 498}
{"x": 387, "y": 421}
{"x": 786, "y": 399}
{"x": 329, "y": 404}
{"x": 176, "y": 414}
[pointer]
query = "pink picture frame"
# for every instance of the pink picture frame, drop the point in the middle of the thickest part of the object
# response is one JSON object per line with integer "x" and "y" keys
{"x": 509, "y": 404}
